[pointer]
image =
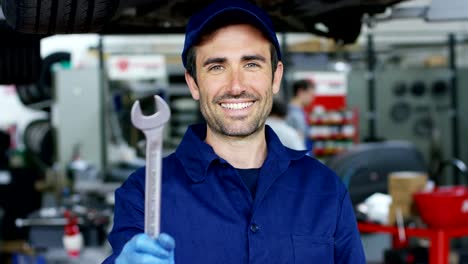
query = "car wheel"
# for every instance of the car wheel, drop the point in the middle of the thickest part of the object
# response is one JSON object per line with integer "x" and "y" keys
{"x": 58, "y": 16}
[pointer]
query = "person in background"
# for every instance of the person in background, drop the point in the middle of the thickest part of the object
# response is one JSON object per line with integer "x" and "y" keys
{"x": 287, "y": 134}
{"x": 303, "y": 94}
{"x": 231, "y": 192}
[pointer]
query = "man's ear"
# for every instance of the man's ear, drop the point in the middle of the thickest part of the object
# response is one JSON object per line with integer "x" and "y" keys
{"x": 192, "y": 86}
{"x": 277, "y": 78}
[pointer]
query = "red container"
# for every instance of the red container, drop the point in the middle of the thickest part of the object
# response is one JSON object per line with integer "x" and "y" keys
{"x": 444, "y": 208}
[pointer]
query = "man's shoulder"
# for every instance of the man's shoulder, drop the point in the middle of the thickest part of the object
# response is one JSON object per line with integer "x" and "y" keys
{"x": 315, "y": 171}
{"x": 311, "y": 162}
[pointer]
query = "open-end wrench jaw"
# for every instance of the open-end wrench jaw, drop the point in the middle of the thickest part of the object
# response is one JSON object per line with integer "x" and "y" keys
{"x": 158, "y": 119}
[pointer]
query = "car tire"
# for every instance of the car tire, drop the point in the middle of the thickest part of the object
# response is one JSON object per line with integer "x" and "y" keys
{"x": 29, "y": 94}
{"x": 39, "y": 140}
{"x": 20, "y": 56}
{"x": 58, "y": 16}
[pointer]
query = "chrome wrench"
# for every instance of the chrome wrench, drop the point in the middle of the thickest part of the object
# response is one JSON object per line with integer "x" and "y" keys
{"x": 152, "y": 126}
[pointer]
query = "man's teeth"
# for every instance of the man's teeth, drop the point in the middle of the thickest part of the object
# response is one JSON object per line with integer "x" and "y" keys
{"x": 236, "y": 106}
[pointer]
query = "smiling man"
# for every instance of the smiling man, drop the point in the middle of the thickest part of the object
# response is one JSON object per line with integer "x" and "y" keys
{"x": 231, "y": 192}
{"x": 235, "y": 87}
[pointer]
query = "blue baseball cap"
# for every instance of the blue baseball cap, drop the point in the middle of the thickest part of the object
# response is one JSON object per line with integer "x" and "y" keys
{"x": 219, "y": 12}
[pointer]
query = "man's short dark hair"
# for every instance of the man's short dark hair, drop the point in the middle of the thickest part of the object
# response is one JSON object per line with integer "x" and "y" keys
{"x": 302, "y": 85}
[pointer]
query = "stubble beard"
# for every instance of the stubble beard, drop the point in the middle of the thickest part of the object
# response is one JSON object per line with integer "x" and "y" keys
{"x": 243, "y": 127}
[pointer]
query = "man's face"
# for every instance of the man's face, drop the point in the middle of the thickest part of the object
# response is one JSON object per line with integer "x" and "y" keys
{"x": 235, "y": 84}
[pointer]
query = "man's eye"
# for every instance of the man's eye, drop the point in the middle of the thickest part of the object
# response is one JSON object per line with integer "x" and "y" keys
{"x": 216, "y": 68}
{"x": 252, "y": 65}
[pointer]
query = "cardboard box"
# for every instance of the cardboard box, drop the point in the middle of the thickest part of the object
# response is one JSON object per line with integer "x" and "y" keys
{"x": 402, "y": 197}
{"x": 401, "y": 187}
{"x": 406, "y": 182}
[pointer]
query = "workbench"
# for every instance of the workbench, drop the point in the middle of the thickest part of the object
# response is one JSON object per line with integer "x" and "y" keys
{"x": 439, "y": 238}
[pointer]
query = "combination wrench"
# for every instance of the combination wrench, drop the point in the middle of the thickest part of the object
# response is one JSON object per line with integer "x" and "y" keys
{"x": 152, "y": 127}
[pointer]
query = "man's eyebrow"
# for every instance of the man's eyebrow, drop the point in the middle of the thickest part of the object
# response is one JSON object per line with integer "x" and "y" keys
{"x": 213, "y": 60}
{"x": 253, "y": 57}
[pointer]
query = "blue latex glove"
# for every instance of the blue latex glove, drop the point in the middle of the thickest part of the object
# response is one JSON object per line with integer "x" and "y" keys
{"x": 142, "y": 249}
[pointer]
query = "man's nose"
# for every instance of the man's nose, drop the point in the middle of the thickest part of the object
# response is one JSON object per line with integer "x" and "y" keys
{"x": 236, "y": 85}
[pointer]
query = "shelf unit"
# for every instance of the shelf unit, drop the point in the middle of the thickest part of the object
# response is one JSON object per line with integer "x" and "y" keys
{"x": 333, "y": 131}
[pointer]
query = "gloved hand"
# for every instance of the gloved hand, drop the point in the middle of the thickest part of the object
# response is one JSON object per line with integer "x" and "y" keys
{"x": 142, "y": 249}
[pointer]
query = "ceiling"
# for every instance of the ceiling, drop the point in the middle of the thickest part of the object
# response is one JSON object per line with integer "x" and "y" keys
{"x": 337, "y": 19}
{"x": 340, "y": 20}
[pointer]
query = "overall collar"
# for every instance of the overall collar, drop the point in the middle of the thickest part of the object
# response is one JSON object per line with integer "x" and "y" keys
{"x": 196, "y": 155}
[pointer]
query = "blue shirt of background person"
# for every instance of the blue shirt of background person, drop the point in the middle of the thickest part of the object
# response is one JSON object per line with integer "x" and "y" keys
{"x": 231, "y": 192}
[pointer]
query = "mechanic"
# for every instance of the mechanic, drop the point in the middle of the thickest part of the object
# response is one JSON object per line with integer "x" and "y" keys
{"x": 231, "y": 192}
{"x": 303, "y": 94}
